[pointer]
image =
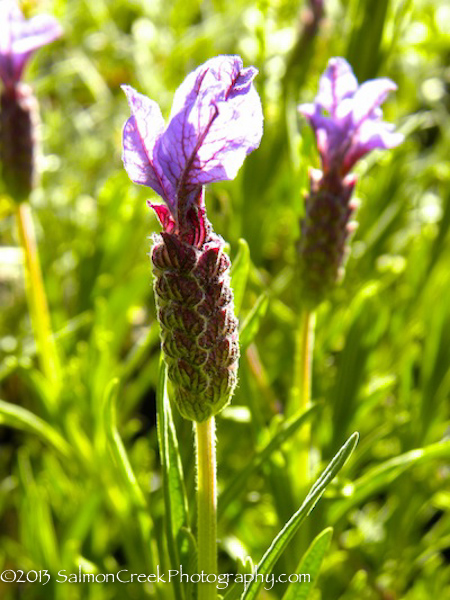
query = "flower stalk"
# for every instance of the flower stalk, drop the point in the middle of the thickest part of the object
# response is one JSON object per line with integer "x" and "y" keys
{"x": 206, "y": 506}
{"x": 301, "y": 396}
{"x": 37, "y": 299}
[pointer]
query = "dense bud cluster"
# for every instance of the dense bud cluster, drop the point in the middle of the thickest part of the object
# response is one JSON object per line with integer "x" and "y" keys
{"x": 198, "y": 327}
{"x": 325, "y": 229}
{"x": 18, "y": 127}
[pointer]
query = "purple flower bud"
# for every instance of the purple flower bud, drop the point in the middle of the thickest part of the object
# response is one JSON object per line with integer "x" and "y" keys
{"x": 347, "y": 118}
{"x": 216, "y": 120}
{"x": 19, "y": 38}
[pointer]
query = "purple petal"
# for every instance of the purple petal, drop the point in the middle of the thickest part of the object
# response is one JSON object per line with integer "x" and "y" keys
{"x": 368, "y": 98}
{"x": 9, "y": 16}
{"x": 372, "y": 135}
{"x": 20, "y": 38}
{"x": 140, "y": 134}
{"x": 31, "y": 35}
{"x": 353, "y": 125}
{"x": 337, "y": 83}
{"x": 308, "y": 110}
{"x": 216, "y": 120}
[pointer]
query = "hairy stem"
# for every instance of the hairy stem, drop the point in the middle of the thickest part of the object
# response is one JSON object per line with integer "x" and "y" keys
{"x": 206, "y": 506}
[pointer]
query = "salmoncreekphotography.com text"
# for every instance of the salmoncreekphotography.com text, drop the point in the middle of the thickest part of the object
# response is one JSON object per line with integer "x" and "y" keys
{"x": 223, "y": 580}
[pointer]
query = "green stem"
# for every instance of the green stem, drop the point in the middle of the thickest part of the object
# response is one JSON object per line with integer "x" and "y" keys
{"x": 37, "y": 300}
{"x": 301, "y": 395}
{"x": 206, "y": 506}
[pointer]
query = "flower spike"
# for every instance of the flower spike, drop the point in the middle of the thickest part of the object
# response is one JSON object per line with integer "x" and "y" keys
{"x": 216, "y": 120}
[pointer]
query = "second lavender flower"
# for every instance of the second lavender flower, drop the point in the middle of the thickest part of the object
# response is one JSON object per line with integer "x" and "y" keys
{"x": 347, "y": 122}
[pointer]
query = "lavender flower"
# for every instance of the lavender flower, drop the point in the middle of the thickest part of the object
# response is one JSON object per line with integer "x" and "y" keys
{"x": 18, "y": 106}
{"x": 347, "y": 122}
{"x": 19, "y": 38}
{"x": 216, "y": 120}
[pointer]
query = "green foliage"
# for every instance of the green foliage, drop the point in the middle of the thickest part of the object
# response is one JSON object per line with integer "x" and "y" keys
{"x": 87, "y": 480}
{"x": 282, "y": 540}
{"x": 310, "y": 564}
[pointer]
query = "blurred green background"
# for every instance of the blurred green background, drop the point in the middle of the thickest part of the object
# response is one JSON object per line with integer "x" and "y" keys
{"x": 381, "y": 358}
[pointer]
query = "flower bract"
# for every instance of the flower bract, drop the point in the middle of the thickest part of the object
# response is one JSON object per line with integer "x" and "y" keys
{"x": 215, "y": 121}
{"x": 20, "y": 37}
{"x": 347, "y": 118}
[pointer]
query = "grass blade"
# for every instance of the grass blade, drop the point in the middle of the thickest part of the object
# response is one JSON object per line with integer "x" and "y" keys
{"x": 310, "y": 564}
{"x": 383, "y": 475}
{"x": 140, "y": 516}
{"x": 250, "y": 325}
{"x": 239, "y": 274}
{"x": 23, "y": 419}
{"x": 117, "y": 447}
{"x": 365, "y": 47}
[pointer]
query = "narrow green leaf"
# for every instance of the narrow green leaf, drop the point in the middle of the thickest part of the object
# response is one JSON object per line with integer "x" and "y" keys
{"x": 37, "y": 529}
{"x": 383, "y": 475}
{"x": 187, "y": 547}
{"x": 281, "y": 541}
{"x": 139, "y": 352}
{"x": 237, "y": 485}
{"x": 116, "y": 445}
{"x": 310, "y": 565}
{"x": 173, "y": 481}
{"x": 251, "y": 323}
{"x": 365, "y": 48}
{"x": 245, "y": 567}
{"x": 239, "y": 274}
{"x": 140, "y": 517}
{"x": 23, "y": 419}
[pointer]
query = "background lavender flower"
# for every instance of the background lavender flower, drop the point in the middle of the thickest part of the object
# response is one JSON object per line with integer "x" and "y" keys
{"x": 19, "y": 117}
{"x": 347, "y": 122}
{"x": 216, "y": 120}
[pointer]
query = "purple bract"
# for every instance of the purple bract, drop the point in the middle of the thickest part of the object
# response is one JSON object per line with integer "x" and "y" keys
{"x": 215, "y": 121}
{"x": 347, "y": 118}
{"x": 19, "y": 38}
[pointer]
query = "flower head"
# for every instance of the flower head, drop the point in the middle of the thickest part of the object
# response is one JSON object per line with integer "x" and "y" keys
{"x": 19, "y": 38}
{"x": 347, "y": 118}
{"x": 215, "y": 121}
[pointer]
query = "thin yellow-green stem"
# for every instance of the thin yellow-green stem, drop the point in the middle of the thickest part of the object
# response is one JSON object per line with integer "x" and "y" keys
{"x": 206, "y": 507}
{"x": 301, "y": 396}
{"x": 37, "y": 300}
